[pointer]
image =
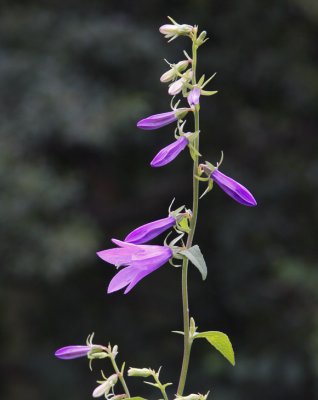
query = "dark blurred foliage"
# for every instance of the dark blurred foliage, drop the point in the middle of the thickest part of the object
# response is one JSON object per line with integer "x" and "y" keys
{"x": 74, "y": 172}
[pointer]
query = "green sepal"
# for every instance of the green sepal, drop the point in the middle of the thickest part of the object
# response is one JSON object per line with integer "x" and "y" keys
{"x": 196, "y": 257}
{"x": 193, "y": 152}
{"x": 200, "y": 83}
{"x": 208, "y": 189}
{"x": 208, "y": 92}
{"x": 220, "y": 341}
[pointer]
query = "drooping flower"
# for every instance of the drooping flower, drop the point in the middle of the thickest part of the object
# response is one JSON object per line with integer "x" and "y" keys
{"x": 194, "y": 96}
{"x": 138, "y": 260}
{"x": 146, "y": 232}
{"x": 71, "y": 352}
{"x": 170, "y": 152}
{"x": 104, "y": 388}
{"x": 234, "y": 189}
{"x": 157, "y": 121}
{"x": 172, "y": 73}
{"x": 178, "y": 85}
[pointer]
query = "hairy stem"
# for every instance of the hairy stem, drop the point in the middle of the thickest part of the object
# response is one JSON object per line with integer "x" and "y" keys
{"x": 195, "y": 208}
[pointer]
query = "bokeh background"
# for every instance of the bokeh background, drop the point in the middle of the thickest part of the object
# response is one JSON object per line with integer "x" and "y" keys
{"x": 75, "y": 76}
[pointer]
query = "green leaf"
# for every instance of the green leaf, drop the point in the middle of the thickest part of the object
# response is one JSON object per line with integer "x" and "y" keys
{"x": 135, "y": 398}
{"x": 195, "y": 256}
{"x": 220, "y": 341}
{"x": 184, "y": 224}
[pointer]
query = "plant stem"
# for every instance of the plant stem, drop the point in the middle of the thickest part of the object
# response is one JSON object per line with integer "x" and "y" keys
{"x": 161, "y": 386}
{"x": 120, "y": 376}
{"x": 195, "y": 207}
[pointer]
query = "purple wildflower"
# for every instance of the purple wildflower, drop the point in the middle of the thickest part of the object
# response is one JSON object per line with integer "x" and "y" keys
{"x": 71, "y": 352}
{"x": 170, "y": 152}
{"x": 139, "y": 261}
{"x": 194, "y": 96}
{"x": 234, "y": 189}
{"x": 159, "y": 120}
{"x": 149, "y": 231}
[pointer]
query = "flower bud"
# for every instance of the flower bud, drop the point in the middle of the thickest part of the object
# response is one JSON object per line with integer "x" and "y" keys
{"x": 201, "y": 39}
{"x": 104, "y": 388}
{"x": 174, "y": 30}
{"x": 171, "y": 74}
{"x": 177, "y": 86}
{"x": 192, "y": 396}
{"x": 141, "y": 372}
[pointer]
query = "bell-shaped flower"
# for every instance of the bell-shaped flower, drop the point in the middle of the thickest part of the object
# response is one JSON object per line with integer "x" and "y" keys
{"x": 77, "y": 351}
{"x": 234, "y": 189}
{"x": 138, "y": 260}
{"x": 157, "y": 121}
{"x": 71, "y": 352}
{"x": 194, "y": 96}
{"x": 170, "y": 152}
{"x": 146, "y": 232}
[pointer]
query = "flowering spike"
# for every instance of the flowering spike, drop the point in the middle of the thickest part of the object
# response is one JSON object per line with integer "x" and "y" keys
{"x": 170, "y": 152}
{"x": 139, "y": 261}
{"x": 234, "y": 189}
{"x": 157, "y": 121}
{"x": 146, "y": 232}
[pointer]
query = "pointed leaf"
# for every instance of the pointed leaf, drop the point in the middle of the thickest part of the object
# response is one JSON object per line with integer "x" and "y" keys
{"x": 195, "y": 256}
{"x": 221, "y": 342}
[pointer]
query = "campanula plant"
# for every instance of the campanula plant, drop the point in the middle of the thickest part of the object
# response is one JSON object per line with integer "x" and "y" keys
{"x": 136, "y": 258}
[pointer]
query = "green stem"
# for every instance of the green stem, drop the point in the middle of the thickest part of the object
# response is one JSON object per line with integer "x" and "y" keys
{"x": 195, "y": 208}
{"x": 160, "y": 386}
{"x": 120, "y": 376}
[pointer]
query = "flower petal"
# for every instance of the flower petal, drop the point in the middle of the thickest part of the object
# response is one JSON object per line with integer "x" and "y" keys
{"x": 169, "y": 153}
{"x": 71, "y": 352}
{"x": 157, "y": 120}
{"x": 149, "y": 231}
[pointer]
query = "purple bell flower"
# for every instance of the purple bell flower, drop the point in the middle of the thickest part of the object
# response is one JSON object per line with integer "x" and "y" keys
{"x": 149, "y": 231}
{"x": 194, "y": 96}
{"x": 71, "y": 352}
{"x": 170, "y": 152}
{"x": 157, "y": 121}
{"x": 234, "y": 189}
{"x": 138, "y": 260}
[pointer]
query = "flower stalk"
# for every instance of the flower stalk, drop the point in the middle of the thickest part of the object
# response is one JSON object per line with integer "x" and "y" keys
{"x": 195, "y": 208}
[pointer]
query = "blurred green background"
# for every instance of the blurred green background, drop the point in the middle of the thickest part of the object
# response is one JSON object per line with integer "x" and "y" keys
{"x": 75, "y": 76}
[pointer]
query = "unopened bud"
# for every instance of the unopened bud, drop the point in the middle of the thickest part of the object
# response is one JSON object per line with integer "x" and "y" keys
{"x": 141, "y": 372}
{"x": 200, "y": 40}
{"x": 192, "y": 396}
{"x": 174, "y": 30}
{"x": 104, "y": 388}
{"x": 177, "y": 86}
{"x": 115, "y": 351}
{"x": 172, "y": 73}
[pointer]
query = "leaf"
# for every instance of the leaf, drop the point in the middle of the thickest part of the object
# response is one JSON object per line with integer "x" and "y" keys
{"x": 221, "y": 342}
{"x": 135, "y": 398}
{"x": 195, "y": 256}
